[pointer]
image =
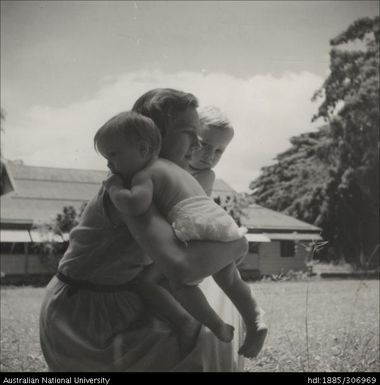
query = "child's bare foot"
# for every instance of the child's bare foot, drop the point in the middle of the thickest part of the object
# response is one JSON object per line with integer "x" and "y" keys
{"x": 187, "y": 336}
{"x": 224, "y": 332}
{"x": 254, "y": 339}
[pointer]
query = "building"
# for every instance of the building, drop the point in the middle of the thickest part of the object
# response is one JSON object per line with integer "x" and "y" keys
{"x": 278, "y": 243}
{"x": 6, "y": 180}
{"x": 42, "y": 192}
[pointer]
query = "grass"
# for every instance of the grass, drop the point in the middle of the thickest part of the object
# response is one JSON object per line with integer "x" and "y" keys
{"x": 20, "y": 349}
{"x": 316, "y": 325}
{"x": 337, "y": 329}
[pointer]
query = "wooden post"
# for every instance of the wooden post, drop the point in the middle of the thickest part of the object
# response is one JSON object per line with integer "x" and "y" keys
{"x": 26, "y": 260}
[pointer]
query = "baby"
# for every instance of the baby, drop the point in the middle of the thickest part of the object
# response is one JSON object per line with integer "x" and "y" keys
{"x": 131, "y": 143}
{"x": 216, "y": 132}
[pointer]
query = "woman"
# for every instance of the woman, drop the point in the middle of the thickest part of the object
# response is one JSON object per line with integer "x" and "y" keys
{"x": 97, "y": 325}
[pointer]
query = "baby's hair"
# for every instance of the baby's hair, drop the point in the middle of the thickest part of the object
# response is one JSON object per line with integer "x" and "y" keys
{"x": 212, "y": 117}
{"x": 161, "y": 103}
{"x": 134, "y": 127}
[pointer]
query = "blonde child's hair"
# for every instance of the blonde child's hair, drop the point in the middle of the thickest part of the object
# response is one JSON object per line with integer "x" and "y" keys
{"x": 212, "y": 117}
{"x": 134, "y": 127}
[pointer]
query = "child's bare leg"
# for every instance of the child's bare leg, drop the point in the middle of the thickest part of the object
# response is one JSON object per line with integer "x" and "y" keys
{"x": 194, "y": 301}
{"x": 165, "y": 306}
{"x": 240, "y": 294}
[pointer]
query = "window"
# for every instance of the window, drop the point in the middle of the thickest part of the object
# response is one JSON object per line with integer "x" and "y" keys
{"x": 12, "y": 248}
{"x": 253, "y": 247}
{"x": 288, "y": 248}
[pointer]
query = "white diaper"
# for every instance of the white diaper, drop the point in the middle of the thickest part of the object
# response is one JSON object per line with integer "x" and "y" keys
{"x": 201, "y": 218}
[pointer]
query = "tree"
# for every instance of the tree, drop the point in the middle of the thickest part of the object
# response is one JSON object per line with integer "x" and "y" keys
{"x": 294, "y": 184}
{"x": 351, "y": 106}
{"x": 330, "y": 177}
{"x": 234, "y": 205}
{"x": 51, "y": 250}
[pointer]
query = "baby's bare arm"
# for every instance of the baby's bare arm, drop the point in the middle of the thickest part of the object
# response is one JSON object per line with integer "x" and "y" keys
{"x": 133, "y": 201}
{"x": 206, "y": 179}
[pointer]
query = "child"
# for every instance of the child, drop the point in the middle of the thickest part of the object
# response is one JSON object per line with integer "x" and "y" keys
{"x": 131, "y": 144}
{"x": 216, "y": 132}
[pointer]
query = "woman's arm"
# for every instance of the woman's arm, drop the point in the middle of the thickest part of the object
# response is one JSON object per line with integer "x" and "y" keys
{"x": 177, "y": 262}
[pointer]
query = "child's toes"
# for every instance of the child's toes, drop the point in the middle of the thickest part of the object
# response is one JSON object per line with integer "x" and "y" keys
{"x": 253, "y": 343}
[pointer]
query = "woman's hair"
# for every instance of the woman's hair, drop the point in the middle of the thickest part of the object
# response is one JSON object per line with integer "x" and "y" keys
{"x": 212, "y": 117}
{"x": 161, "y": 103}
{"x": 134, "y": 127}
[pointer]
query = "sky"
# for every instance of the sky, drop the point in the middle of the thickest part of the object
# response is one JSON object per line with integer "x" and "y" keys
{"x": 68, "y": 66}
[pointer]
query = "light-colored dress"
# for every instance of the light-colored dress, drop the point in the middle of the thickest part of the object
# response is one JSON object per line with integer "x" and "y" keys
{"x": 89, "y": 331}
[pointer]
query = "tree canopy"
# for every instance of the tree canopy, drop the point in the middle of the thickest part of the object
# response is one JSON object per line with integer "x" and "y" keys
{"x": 330, "y": 177}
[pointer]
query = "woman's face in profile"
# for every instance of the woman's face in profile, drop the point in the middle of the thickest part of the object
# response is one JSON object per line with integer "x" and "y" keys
{"x": 181, "y": 137}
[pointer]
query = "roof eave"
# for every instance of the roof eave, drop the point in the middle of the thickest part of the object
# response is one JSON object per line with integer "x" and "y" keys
{"x": 269, "y": 229}
{"x": 7, "y": 223}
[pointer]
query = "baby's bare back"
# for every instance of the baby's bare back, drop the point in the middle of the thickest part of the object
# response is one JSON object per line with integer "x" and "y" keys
{"x": 172, "y": 184}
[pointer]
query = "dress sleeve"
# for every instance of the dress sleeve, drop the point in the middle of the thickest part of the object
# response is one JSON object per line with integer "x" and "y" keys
{"x": 108, "y": 209}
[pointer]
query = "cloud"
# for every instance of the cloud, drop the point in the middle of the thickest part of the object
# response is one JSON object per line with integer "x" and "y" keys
{"x": 265, "y": 111}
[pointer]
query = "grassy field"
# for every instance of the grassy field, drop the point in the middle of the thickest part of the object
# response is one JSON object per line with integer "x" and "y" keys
{"x": 316, "y": 325}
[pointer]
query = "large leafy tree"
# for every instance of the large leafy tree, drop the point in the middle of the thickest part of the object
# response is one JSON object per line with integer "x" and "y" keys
{"x": 330, "y": 177}
{"x": 295, "y": 183}
{"x": 50, "y": 250}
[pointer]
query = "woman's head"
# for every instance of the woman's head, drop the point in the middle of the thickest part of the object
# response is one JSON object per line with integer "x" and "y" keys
{"x": 128, "y": 141}
{"x": 175, "y": 114}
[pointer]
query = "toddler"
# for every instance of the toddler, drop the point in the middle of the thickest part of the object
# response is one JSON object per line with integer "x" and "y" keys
{"x": 131, "y": 143}
{"x": 216, "y": 132}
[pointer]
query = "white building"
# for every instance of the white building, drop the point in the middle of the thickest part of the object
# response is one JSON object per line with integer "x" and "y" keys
{"x": 276, "y": 240}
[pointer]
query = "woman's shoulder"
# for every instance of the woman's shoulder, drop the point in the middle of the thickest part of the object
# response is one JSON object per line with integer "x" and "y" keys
{"x": 164, "y": 169}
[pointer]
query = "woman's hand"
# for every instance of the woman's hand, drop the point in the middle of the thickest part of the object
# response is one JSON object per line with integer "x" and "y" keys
{"x": 177, "y": 262}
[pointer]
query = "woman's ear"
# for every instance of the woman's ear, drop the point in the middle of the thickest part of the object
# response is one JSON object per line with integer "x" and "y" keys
{"x": 145, "y": 149}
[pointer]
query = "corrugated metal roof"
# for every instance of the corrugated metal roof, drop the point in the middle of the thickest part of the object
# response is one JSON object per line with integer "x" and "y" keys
{"x": 294, "y": 236}
{"x": 221, "y": 186}
{"x": 222, "y": 190}
{"x": 55, "y": 174}
{"x": 42, "y": 192}
{"x": 258, "y": 217}
{"x": 45, "y": 189}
